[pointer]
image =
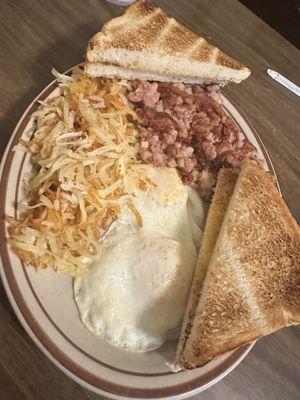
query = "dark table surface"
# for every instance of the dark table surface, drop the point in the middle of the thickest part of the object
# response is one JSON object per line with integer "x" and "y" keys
{"x": 36, "y": 35}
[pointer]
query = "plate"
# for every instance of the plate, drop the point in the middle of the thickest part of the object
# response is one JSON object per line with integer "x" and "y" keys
{"x": 43, "y": 301}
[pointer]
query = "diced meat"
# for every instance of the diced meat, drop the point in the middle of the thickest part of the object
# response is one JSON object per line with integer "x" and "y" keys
{"x": 145, "y": 93}
{"x": 146, "y": 156}
{"x": 171, "y": 95}
{"x": 186, "y": 126}
{"x": 170, "y": 137}
{"x": 209, "y": 149}
{"x": 155, "y": 145}
{"x": 160, "y": 121}
{"x": 184, "y": 115}
{"x": 159, "y": 160}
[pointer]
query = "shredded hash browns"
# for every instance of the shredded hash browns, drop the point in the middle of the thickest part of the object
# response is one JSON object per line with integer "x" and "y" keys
{"x": 83, "y": 143}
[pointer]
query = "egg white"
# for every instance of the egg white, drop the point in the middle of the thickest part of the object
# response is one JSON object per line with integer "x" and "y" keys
{"x": 135, "y": 295}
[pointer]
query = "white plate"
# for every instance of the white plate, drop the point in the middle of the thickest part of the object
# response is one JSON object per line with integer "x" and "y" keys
{"x": 43, "y": 302}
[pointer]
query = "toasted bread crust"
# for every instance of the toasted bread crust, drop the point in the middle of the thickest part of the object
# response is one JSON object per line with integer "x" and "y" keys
{"x": 145, "y": 28}
{"x": 223, "y": 191}
{"x": 252, "y": 286}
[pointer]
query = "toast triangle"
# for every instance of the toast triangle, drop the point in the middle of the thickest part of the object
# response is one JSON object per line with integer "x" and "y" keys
{"x": 145, "y": 40}
{"x": 252, "y": 284}
{"x": 222, "y": 194}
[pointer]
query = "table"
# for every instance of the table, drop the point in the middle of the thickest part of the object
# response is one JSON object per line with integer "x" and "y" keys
{"x": 37, "y": 35}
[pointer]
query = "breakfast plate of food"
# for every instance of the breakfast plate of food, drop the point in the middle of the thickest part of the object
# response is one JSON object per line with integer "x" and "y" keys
{"x": 145, "y": 245}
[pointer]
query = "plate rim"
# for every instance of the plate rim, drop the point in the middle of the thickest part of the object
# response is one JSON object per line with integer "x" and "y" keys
{"x": 203, "y": 382}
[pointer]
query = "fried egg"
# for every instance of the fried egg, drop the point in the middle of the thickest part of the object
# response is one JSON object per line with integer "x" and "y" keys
{"x": 135, "y": 295}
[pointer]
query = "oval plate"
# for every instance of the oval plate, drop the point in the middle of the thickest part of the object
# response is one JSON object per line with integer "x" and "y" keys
{"x": 43, "y": 301}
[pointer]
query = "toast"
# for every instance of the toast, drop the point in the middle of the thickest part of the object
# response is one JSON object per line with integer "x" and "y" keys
{"x": 222, "y": 194}
{"x": 146, "y": 43}
{"x": 252, "y": 283}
